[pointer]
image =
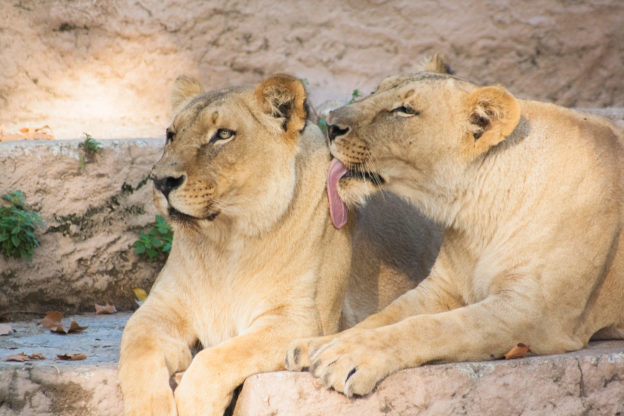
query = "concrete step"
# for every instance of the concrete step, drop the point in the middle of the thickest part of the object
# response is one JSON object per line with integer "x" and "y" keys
{"x": 590, "y": 381}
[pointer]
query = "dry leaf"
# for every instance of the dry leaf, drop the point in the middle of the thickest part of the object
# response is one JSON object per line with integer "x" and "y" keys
{"x": 25, "y": 133}
{"x": 52, "y": 321}
{"x": 74, "y": 327}
{"x": 518, "y": 351}
{"x": 36, "y": 357}
{"x": 21, "y": 357}
{"x": 140, "y": 294}
{"x": 5, "y": 329}
{"x": 105, "y": 309}
{"x": 17, "y": 357}
{"x": 72, "y": 357}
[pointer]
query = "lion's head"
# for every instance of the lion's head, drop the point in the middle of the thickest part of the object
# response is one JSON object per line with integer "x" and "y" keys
{"x": 417, "y": 133}
{"x": 230, "y": 154}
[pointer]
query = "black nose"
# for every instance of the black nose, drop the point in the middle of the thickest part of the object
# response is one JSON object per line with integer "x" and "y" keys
{"x": 334, "y": 131}
{"x": 168, "y": 184}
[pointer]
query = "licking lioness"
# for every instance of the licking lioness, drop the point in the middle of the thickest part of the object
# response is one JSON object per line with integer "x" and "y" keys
{"x": 256, "y": 261}
{"x": 531, "y": 197}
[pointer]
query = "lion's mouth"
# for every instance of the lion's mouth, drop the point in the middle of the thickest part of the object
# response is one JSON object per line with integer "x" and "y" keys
{"x": 176, "y": 215}
{"x": 373, "y": 177}
{"x": 337, "y": 171}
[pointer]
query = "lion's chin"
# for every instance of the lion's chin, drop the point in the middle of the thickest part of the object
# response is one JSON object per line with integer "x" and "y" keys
{"x": 179, "y": 216}
{"x": 354, "y": 191}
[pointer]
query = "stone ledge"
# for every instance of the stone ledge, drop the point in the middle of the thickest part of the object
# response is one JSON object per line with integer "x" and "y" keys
{"x": 55, "y": 387}
{"x": 590, "y": 381}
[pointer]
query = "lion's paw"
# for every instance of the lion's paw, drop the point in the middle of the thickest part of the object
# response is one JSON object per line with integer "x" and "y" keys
{"x": 352, "y": 364}
{"x": 299, "y": 351}
{"x": 195, "y": 397}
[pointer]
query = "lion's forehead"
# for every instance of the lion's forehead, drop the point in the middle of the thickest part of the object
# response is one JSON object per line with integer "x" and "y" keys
{"x": 400, "y": 81}
{"x": 196, "y": 107}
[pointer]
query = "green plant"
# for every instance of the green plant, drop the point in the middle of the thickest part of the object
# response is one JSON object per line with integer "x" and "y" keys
{"x": 90, "y": 147}
{"x": 17, "y": 227}
{"x": 354, "y": 96}
{"x": 157, "y": 241}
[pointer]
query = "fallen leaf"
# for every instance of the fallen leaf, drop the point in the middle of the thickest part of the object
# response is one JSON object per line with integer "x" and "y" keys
{"x": 5, "y": 329}
{"x": 17, "y": 357}
{"x": 52, "y": 321}
{"x": 21, "y": 357}
{"x": 140, "y": 294}
{"x": 518, "y": 351}
{"x": 74, "y": 327}
{"x": 37, "y": 357}
{"x": 25, "y": 133}
{"x": 72, "y": 357}
{"x": 105, "y": 309}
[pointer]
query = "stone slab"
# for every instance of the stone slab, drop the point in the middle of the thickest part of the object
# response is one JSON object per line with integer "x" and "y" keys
{"x": 590, "y": 382}
{"x": 56, "y": 387}
{"x": 587, "y": 382}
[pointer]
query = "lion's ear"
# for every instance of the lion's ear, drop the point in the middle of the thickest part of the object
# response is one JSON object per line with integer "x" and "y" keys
{"x": 438, "y": 63}
{"x": 284, "y": 97}
{"x": 184, "y": 89}
{"x": 493, "y": 113}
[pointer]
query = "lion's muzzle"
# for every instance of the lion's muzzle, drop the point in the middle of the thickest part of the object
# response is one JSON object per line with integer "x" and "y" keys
{"x": 168, "y": 184}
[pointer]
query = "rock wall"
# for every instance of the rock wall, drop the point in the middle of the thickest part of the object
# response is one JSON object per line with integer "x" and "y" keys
{"x": 94, "y": 210}
{"x": 106, "y": 66}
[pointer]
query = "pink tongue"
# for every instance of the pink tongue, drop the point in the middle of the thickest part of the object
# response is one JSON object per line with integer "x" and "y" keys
{"x": 337, "y": 209}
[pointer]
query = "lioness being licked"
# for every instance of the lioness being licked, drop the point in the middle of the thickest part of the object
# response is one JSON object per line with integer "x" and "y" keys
{"x": 531, "y": 197}
{"x": 256, "y": 261}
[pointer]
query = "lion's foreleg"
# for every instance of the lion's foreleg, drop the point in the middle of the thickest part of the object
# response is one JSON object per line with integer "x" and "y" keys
{"x": 152, "y": 348}
{"x": 207, "y": 386}
{"x": 354, "y": 362}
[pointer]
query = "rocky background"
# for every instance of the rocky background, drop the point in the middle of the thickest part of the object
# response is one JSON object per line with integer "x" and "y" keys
{"x": 106, "y": 66}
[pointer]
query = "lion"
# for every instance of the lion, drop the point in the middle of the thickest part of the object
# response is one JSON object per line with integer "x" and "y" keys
{"x": 257, "y": 260}
{"x": 531, "y": 198}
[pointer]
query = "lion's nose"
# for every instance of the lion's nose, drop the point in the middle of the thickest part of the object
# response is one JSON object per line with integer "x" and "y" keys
{"x": 168, "y": 184}
{"x": 334, "y": 131}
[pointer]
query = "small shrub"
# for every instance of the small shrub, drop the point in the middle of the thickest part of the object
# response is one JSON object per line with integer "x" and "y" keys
{"x": 90, "y": 147}
{"x": 17, "y": 227}
{"x": 354, "y": 96}
{"x": 156, "y": 242}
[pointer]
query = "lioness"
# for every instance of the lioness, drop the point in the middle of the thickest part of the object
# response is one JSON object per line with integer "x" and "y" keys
{"x": 531, "y": 197}
{"x": 256, "y": 261}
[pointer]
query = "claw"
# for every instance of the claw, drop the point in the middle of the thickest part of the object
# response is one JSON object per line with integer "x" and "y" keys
{"x": 353, "y": 371}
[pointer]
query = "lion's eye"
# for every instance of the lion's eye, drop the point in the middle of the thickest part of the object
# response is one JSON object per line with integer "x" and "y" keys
{"x": 405, "y": 111}
{"x": 170, "y": 136}
{"x": 222, "y": 134}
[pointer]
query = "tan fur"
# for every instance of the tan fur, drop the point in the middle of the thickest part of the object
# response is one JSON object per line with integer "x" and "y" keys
{"x": 531, "y": 196}
{"x": 255, "y": 260}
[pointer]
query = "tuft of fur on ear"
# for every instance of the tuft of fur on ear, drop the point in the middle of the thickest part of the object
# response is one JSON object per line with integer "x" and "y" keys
{"x": 284, "y": 97}
{"x": 184, "y": 89}
{"x": 493, "y": 114}
{"x": 437, "y": 63}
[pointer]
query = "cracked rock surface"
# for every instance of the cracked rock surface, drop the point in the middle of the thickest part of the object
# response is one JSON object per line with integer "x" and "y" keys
{"x": 586, "y": 382}
{"x": 589, "y": 381}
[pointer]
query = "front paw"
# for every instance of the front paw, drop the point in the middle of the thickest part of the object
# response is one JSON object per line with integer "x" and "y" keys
{"x": 299, "y": 351}
{"x": 197, "y": 396}
{"x": 353, "y": 364}
{"x": 149, "y": 396}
